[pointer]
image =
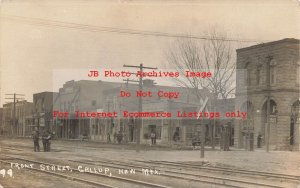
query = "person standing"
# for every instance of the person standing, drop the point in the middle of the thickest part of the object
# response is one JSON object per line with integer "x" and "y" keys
{"x": 259, "y": 140}
{"x": 44, "y": 140}
{"x": 35, "y": 138}
{"x": 153, "y": 138}
{"x": 49, "y": 136}
{"x": 108, "y": 138}
{"x": 176, "y": 136}
{"x": 115, "y": 137}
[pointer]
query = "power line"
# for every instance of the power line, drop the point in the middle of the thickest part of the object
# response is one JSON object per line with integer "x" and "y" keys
{"x": 92, "y": 28}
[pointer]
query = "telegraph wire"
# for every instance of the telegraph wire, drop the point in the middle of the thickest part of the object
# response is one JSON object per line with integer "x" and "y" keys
{"x": 92, "y": 28}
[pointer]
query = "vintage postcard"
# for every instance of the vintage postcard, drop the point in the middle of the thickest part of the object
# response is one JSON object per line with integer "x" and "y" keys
{"x": 137, "y": 93}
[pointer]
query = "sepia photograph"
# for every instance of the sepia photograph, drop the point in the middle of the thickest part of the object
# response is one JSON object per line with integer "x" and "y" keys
{"x": 149, "y": 93}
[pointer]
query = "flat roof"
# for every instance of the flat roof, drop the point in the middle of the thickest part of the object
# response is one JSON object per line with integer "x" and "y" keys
{"x": 286, "y": 40}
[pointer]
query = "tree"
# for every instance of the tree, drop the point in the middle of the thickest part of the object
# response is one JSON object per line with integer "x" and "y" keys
{"x": 216, "y": 55}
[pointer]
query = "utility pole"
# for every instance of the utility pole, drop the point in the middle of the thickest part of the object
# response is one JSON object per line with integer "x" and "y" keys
{"x": 15, "y": 99}
{"x": 214, "y": 125}
{"x": 268, "y": 103}
{"x": 202, "y": 126}
{"x": 140, "y": 107}
{"x": 203, "y": 131}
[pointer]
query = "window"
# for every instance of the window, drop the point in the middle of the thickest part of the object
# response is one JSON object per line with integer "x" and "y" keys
{"x": 72, "y": 106}
{"x": 258, "y": 78}
{"x": 246, "y": 75}
{"x": 274, "y": 109}
{"x": 298, "y": 74}
{"x": 61, "y": 106}
{"x": 94, "y": 102}
{"x": 115, "y": 102}
{"x": 273, "y": 71}
{"x": 76, "y": 104}
{"x": 43, "y": 104}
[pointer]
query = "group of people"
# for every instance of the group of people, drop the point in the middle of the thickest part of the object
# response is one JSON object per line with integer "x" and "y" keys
{"x": 118, "y": 138}
{"x": 46, "y": 137}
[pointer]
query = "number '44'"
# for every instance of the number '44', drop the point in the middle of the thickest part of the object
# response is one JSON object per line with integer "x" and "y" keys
{"x": 4, "y": 172}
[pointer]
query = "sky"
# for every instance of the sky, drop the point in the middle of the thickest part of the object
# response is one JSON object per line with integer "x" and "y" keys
{"x": 38, "y": 38}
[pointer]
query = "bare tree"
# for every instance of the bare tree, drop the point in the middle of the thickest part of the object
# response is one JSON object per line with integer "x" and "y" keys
{"x": 215, "y": 55}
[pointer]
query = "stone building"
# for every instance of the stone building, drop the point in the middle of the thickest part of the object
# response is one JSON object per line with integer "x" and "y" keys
{"x": 269, "y": 70}
{"x": 1, "y": 122}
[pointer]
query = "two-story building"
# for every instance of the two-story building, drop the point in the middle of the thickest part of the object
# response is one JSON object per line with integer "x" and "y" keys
{"x": 43, "y": 109}
{"x": 269, "y": 71}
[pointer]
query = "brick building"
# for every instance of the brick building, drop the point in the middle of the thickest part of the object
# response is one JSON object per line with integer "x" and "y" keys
{"x": 43, "y": 109}
{"x": 84, "y": 96}
{"x": 269, "y": 70}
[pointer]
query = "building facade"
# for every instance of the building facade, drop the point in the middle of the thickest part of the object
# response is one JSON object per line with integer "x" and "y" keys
{"x": 18, "y": 123}
{"x": 1, "y": 122}
{"x": 83, "y": 96}
{"x": 43, "y": 110}
{"x": 268, "y": 71}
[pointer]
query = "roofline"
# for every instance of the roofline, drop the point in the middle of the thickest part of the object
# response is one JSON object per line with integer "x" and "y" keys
{"x": 46, "y": 92}
{"x": 286, "y": 40}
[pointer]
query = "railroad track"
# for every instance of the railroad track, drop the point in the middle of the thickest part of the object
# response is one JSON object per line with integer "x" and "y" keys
{"x": 224, "y": 169}
{"x": 196, "y": 177}
{"x": 118, "y": 181}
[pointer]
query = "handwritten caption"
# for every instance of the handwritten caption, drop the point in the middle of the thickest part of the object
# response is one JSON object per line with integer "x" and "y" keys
{"x": 6, "y": 173}
{"x": 81, "y": 169}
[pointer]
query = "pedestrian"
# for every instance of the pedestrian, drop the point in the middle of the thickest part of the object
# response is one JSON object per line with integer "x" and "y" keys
{"x": 49, "y": 137}
{"x": 115, "y": 137}
{"x": 108, "y": 138}
{"x": 125, "y": 138}
{"x": 153, "y": 138}
{"x": 119, "y": 137}
{"x": 176, "y": 136}
{"x": 46, "y": 141}
{"x": 85, "y": 135}
{"x": 259, "y": 140}
{"x": 35, "y": 138}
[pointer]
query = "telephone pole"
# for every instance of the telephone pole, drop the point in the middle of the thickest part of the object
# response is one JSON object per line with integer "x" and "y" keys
{"x": 202, "y": 126}
{"x": 15, "y": 98}
{"x": 268, "y": 103}
{"x": 140, "y": 104}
